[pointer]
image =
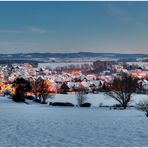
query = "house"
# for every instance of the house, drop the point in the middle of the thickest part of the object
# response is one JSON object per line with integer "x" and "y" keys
{"x": 64, "y": 89}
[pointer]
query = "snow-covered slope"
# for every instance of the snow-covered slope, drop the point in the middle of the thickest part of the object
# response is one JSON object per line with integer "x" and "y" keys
{"x": 43, "y": 125}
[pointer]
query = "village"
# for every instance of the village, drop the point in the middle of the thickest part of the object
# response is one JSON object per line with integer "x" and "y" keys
{"x": 92, "y": 77}
{"x": 73, "y": 74}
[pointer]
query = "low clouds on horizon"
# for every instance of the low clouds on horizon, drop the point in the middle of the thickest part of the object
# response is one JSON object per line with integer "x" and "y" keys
{"x": 30, "y": 47}
{"x": 27, "y": 29}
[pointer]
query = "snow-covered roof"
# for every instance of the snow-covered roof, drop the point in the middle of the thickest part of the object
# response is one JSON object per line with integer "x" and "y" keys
{"x": 71, "y": 84}
{"x": 85, "y": 84}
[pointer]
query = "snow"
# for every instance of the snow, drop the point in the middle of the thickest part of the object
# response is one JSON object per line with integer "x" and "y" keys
{"x": 95, "y": 99}
{"x": 61, "y": 64}
{"x": 42, "y": 125}
{"x": 138, "y": 63}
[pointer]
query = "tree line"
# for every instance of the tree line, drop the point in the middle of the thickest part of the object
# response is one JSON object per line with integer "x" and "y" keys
{"x": 121, "y": 89}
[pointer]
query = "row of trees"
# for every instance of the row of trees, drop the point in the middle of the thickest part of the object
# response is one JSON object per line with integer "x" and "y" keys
{"x": 41, "y": 91}
{"x": 39, "y": 87}
{"x": 121, "y": 89}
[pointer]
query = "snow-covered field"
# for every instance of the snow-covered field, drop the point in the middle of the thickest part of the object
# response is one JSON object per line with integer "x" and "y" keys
{"x": 43, "y": 125}
{"x": 138, "y": 63}
{"x": 96, "y": 99}
{"x": 54, "y": 65}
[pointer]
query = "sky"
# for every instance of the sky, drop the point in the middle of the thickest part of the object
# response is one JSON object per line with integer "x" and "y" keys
{"x": 52, "y": 26}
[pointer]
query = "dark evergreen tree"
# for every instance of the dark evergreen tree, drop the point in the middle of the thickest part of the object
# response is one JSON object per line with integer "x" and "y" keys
{"x": 21, "y": 86}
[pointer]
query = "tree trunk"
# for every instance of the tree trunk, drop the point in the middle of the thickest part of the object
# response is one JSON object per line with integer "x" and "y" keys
{"x": 124, "y": 106}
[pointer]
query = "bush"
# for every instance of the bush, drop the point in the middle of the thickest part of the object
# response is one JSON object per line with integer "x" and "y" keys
{"x": 30, "y": 97}
{"x": 143, "y": 106}
{"x": 85, "y": 105}
{"x": 61, "y": 104}
{"x": 101, "y": 104}
{"x": 7, "y": 92}
{"x": 117, "y": 106}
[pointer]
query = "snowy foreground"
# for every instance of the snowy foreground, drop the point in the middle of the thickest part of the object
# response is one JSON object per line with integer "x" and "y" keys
{"x": 42, "y": 125}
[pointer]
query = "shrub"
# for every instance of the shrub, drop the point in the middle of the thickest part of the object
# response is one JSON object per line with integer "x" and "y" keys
{"x": 143, "y": 106}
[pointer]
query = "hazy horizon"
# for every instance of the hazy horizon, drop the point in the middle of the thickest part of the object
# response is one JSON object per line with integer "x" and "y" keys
{"x": 74, "y": 53}
{"x": 70, "y": 27}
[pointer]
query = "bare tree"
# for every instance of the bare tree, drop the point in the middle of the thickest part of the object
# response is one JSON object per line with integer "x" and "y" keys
{"x": 143, "y": 106}
{"x": 41, "y": 90}
{"x": 81, "y": 96}
{"x": 122, "y": 89}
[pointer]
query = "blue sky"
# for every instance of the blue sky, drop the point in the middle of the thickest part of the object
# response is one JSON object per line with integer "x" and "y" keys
{"x": 120, "y": 27}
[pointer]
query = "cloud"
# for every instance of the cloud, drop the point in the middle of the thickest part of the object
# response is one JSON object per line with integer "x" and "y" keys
{"x": 30, "y": 46}
{"x": 119, "y": 13}
{"x": 35, "y": 29}
{"x": 11, "y": 31}
{"x": 17, "y": 47}
{"x": 28, "y": 29}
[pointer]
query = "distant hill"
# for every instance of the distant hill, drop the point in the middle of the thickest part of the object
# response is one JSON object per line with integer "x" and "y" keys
{"x": 46, "y": 56}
